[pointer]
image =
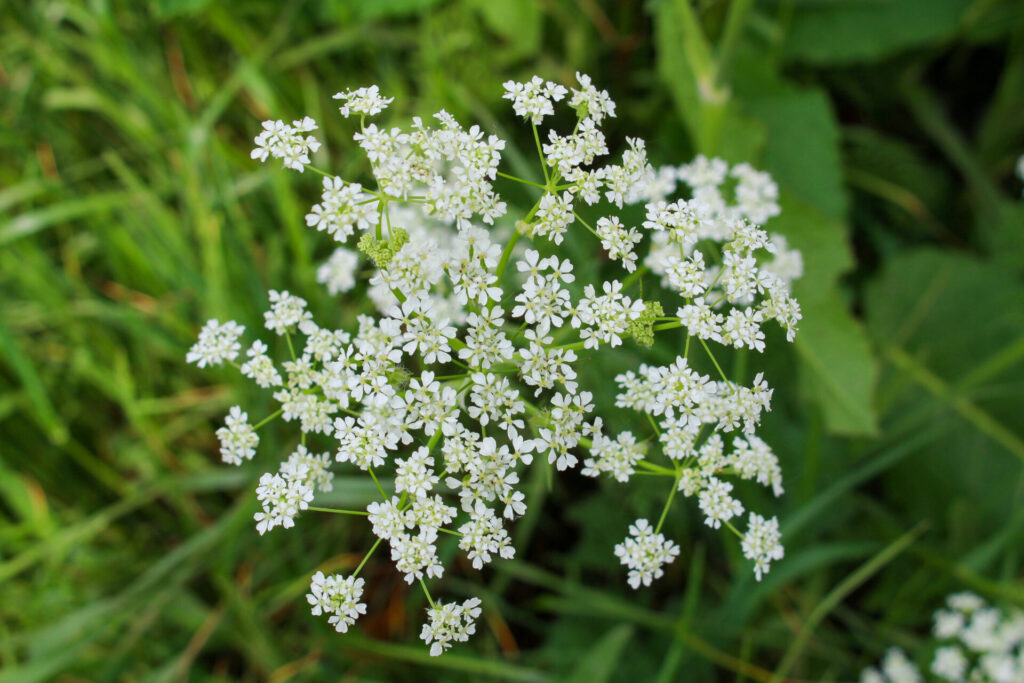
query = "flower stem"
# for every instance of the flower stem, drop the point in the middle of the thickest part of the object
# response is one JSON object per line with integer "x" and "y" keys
{"x": 379, "y": 487}
{"x": 268, "y": 418}
{"x": 540, "y": 153}
{"x": 340, "y": 512}
{"x": 366, "y": 557}
{"x": 668, "y": 503}
{"x": 712, "y": 357}
{"x": 520, "y": 180}
{"x": 427, "y": 593}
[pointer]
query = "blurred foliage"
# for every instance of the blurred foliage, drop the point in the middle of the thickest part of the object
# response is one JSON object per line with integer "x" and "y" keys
{"x": 130, "y": 212}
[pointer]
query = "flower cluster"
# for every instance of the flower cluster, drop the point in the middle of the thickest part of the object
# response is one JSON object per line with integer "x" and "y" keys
{"x": 465, "y": 370}
{"x": 290, "y": 144}
{"x": 645, "y": 552}
{"x": 976, "y": 642}
{"x": 338, "y": 596}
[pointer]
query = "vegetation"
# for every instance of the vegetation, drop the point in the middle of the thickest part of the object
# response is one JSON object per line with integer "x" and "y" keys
{"x": 130, "y": 212}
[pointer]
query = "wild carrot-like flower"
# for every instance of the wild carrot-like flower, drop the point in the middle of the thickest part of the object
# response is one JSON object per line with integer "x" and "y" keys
{"x": 464, "y": 370}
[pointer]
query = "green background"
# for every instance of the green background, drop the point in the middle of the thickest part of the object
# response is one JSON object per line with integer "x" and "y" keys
{"x": 130, "y": 212}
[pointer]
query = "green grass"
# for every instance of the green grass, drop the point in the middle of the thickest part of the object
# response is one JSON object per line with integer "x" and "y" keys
{"x": 130, "y": 212}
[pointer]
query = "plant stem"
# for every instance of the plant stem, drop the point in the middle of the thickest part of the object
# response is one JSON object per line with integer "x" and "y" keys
{"x": 267, "y": 419}
{"x": 366, "y": 557}
{"x": 427, "y": 593}
{"x": 340, "y": 512}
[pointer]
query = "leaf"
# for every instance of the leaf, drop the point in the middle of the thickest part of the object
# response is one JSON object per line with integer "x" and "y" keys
{"x": 32, "y": 383}
{"x": 598, "y": 665}
{"x": 802, "y": 146}
{"x": 837, "y": 594}
{"x": 519, "y": 23}
{"x": 801, "y": 151}
{"x": 832, "y": 345}
{"x": 944, "y": 320}
{"x": 850, "y": 31}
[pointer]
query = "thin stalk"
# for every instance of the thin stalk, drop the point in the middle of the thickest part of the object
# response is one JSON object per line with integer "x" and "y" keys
{"x": 366, "y": 557}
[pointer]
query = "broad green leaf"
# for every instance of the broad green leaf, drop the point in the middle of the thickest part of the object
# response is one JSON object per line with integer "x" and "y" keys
{"x": 831, "y": 343}
{"x": 519, "y": 23}
{"x": 850, "y": 31}
{"x": 801, "y": 148}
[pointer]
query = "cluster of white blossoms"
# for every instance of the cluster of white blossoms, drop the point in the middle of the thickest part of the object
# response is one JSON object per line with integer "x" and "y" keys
{"x": 290, "y": 144}
{"x": 1020, "y": 170}
{"x": 977, "y": 643}
{"x": 463, "y": 372}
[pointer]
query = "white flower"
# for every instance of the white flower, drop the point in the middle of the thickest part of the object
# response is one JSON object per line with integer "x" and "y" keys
{"x": 618, "y": 241}
{"x": 950, "y": 663}
{"x": 286, "y": 312}
{"x": 238, "y": 440}
{"x": 645, "y": 552}
{"x": 554, "y": 214}
{"x": 288, "y": 143}
{"x": 388, "y": 519}
{"x": 343, "y": 208}
{"x": 217, "y": 343}
{"x": 450, "y": 623}
{"x": 415, "y": 474}
{"x": 756, "y": 193}
{"x": 717, "y": 503}
{"x": 338, "y": 596}
{"x": 534, "y": 99}
{"x": 484, "y": 534}
{"x": 382, "y": 391}
{"x": 416, "y": 555}
{"x": 761, "y": 543}
{"x": 283, "y": 495}
{"x": 615, "y": 456}
{"x": 589, "y": 102}
{"x": 259, "y": 367}
{"x": 365, "y": 101}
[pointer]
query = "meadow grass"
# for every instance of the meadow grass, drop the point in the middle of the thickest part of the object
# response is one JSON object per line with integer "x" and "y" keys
{"x": 130, "y": 213}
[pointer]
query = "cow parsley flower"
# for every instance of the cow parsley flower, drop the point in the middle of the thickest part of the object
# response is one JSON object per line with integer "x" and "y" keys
{"x": 645, "y": 552}
{"x": 977, "y": 642}
{"x": 217, "y": 343}
{"x": 761, "y": 543}
{"x": 589, "y": 102}
{"x": 462, "y": 367}
{"x": 365, "y": 101}
{"x": 896, "y": 667}
{"x": 286, "y": 312}
{"x": 287, "y": 143}
{"x": 259, "y": 367}
{"x": 238, "y": 439}
{"x": 339, "y": 596}
{"x": 534, "y": 99}
{"x": 450, "y": 623}
{"x": 338, "y": 273}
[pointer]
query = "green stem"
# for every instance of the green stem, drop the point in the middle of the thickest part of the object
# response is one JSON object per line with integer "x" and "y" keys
{"x": 267, "y": 419}
{"x": 540, "y": 153}
{"x": 340, "y": 512}
{"x": 366, "y": 557}
{"x": 520, "y": 180}
{"x": 668, "y": 503}
{"x": 427, "y": 593}
{"x": 712, "y": 357}
{"x": 291, "y": 349}
{"x": 507, "y": 253}
{"x": 379, "y": 487}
